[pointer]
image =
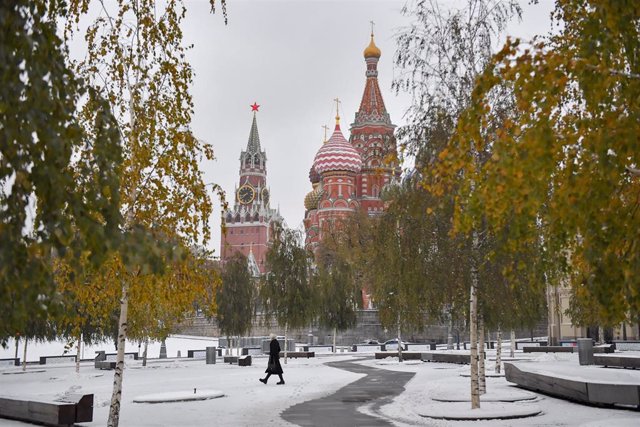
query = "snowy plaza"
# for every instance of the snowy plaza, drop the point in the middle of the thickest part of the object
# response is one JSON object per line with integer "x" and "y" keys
{"x": 244, "y": 402}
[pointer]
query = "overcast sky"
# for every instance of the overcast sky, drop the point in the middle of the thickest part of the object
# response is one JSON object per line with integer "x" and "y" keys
{"x": 293, "y": 58}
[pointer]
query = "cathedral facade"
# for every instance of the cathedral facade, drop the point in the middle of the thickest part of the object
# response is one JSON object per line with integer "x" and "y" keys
{"x": 248, "y": 226}
{"x": 348, "y": 176}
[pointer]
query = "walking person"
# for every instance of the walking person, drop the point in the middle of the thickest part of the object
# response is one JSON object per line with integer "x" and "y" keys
{"x": 273, "y": 367}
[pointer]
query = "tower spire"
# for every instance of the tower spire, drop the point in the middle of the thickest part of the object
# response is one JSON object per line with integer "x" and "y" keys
{"x": 253, "y": 145}
{"x": 372, "y": 109}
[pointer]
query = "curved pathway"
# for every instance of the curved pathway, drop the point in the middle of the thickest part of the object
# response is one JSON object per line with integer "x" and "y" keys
{"x": 377, "y": 388}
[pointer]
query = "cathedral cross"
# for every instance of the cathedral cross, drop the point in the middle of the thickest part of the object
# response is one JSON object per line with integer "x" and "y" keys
{"x": 338, "y": 102}
{"x": 372, "y": 24}
{"x": 326, "y": 128}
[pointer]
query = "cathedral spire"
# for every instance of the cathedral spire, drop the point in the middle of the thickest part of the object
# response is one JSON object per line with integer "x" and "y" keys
{"x": 372, "y": 109}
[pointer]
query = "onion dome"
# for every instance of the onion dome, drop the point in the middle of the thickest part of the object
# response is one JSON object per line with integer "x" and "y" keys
{"x": 372, "y": 50}
{"x": 313, "y": 198}
{"x": 314, "y": 176}
{"x": 337, "y": 154}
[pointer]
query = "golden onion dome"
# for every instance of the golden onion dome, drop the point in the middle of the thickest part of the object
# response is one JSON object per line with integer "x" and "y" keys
{"x": 372, "y": 50}
{"x": 313, "y": 198}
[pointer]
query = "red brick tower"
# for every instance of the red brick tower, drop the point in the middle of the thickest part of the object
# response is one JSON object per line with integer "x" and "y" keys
{"x": 249, "y": 224}
{"x": 372, "y": 135}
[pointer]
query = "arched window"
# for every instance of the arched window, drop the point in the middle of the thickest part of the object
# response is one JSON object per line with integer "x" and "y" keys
{"x": 340, "y": 204}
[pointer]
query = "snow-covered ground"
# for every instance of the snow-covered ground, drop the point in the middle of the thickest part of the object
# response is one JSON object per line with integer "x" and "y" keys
{"x": 248, "y": 402}
{"x": 175, "y": 344}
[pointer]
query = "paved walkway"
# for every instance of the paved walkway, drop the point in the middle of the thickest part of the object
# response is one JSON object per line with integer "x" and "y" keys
{"x": 377, "y": 388}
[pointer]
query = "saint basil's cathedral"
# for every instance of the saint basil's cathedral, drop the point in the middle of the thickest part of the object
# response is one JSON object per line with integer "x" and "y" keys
{"x": 346, "y": 176}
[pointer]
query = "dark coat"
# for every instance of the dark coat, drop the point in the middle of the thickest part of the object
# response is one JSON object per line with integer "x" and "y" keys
{"x": 274, "y": 366}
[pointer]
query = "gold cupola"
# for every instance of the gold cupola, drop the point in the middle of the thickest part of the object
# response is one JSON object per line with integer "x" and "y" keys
{"x": 372, "y": 50}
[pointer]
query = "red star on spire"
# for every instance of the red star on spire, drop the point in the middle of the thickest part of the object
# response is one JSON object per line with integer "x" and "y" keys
{"x": 255, "y": 106}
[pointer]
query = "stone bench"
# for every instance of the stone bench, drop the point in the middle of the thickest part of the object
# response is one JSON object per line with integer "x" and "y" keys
{"x": 13, "y": 361}
{"x": 73, "y": 408}
{"x": 197, "y": 354}
{"x": 406, "y": 355}
{"x": 522, "y": 344}
{"x": 57, "y": 359}
{"x": 627, "y": 345}
{"x": 318, "y": 348}
{"x": 604, "y": 348}
{"x": 103, "y": 355}
{"x": 114, "y": 356}
{"x": 298, "y": 354}
{"x": 488, "y": 345}
{"x": 105, "y": 364}
{"x": 595, "y": 392}
{"x": 457, "y": 358}
{"x": 550, "y": 349}
{"x": 251, "y": 351}
{"x": 367, "y": 348}
{"x": 244, "y": 360}
{"x": 421, "y": 346}
{"x": 231, "y": 359}
{"x": 630, "y": 362}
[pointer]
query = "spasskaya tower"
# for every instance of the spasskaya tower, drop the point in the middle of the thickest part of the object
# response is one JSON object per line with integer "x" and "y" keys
{"x": 249, "y": 223}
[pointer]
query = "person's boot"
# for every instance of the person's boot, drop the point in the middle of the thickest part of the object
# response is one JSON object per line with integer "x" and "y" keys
{"x": 263, "y": 380}
{"x": 281, "y": 381}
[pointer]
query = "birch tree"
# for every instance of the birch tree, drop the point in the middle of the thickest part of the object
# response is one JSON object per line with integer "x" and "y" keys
{"x": 53, "y": 201}
{"x": 443, "y": 52}
{"x": 235, "y": 298}
{"x": 136, "y": 59}
{"x": 334, "y": 280}
{"x": 286, "y": 290}
{"x": 569, "y": 154}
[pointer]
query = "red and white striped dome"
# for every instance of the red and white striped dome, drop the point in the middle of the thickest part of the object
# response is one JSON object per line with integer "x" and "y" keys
{"x": 337, "y": 154}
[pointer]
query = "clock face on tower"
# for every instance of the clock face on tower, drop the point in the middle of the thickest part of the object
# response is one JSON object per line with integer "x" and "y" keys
{"x": 246, "y": 193}
{"x": 265, "y": 196}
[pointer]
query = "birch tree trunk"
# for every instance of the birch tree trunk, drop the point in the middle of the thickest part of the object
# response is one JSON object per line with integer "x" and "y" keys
{"x": 482, "y": 379}
{"x": 512, "y": 350}
{"x": 498, "y": 350}
{"x": 114, "y": 409}
{"x": 285, "y": 343}
{"x": 399, "y": 340}
{"x": 24, "y": 355}
{"x": 600, "y": 335}
{"x": 335, "y": 332}
{"x": 144, "y": 353}
{"x": 473, "y": 331}
{"x": 78, "y": 353}
{"x": 450, "y": 332}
